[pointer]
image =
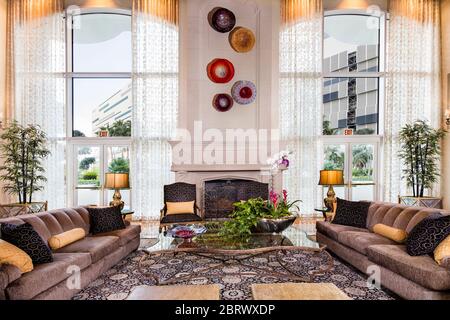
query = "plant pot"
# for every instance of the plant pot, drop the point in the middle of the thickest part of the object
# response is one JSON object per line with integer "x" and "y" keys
{"x": 267, "y": 225}
{"x": 16, "y": 209}
{"x": 428, "y": 202}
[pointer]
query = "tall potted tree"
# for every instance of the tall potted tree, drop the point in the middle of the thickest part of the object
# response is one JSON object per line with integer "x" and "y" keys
{"x": 420, "y": 152}
{"x": 23, "y": 149}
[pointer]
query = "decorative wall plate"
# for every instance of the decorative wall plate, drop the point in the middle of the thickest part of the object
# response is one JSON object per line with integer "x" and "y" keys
{"x": 221, "y": 19}
{"x": 243, "y": 92}
{"x": 242, "y": 39}
{"x": 220, "y": 71}
{"x": 222, "y": 102}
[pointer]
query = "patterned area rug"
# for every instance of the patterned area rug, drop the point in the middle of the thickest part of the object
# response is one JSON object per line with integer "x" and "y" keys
{"x": 118, "y": 282}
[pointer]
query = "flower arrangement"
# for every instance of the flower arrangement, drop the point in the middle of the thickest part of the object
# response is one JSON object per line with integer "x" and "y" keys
{"x": 279, "y": 159}
{"x": 247, "y": 213}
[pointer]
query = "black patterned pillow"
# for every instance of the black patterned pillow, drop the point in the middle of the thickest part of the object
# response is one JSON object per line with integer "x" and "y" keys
{"x": 105, "y": 219}
{"x": 427, "y": 234}
{"x": 26, "y": 238}
{"x": 351, "y": 213}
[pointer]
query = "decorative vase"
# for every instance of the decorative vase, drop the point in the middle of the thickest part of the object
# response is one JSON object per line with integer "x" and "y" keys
{"x": 268, "y": 225}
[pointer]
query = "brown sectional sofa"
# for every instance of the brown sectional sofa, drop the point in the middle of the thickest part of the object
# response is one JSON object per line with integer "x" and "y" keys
{"x": 409, "y": 277}
{"x": 93, "y": 255}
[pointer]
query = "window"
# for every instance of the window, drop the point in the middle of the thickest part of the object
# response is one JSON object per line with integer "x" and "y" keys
{"x": 351, "y": 66}
{"x": 353, "y": 91}
{"x": 99, "y": 99}
{"x": 100, "y": 74}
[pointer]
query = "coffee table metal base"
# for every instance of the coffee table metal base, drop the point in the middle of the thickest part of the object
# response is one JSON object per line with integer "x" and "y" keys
{"x": 232, "y": 259}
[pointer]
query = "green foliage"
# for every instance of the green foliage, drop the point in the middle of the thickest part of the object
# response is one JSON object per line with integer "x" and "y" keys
{"x": 247, "y": 213}
{"x": 78, "y": 133}
{"x": 86, "y": 163}
{"x": 119, "y": 165}
{"x": 90, "y": 175}
{"x": 420, "y": 152}
{"x": 23, "y": 149}
{"x": 334, "y": 158}
{"x": 119, "y": 128}
{"x": 365, "y": 131}
{"x": 326, "y": 128}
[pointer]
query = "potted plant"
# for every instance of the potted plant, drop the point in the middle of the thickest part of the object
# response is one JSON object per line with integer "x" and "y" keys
{"x": 257, "y": 215}
{"x": 23, "y": 148}
{"x": 420, "y": 150}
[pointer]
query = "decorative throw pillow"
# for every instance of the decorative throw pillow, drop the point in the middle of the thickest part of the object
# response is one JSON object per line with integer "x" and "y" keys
{"x": 180, "y": 207}
{"x": 442, "y": 251}
{"x": 105, "y": 219}
{"x": 351, "y": 213}
{"x": 427, "y": 234}
{"x": 12, "y": 255}
{"x": 397, "y": 235}
{"x": 64, "y": 239}
{"x": 26, "y": 238}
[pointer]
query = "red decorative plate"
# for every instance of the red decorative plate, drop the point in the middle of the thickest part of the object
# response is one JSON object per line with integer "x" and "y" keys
{"x": 222, "y": 102}
{"x": 244, "y": 92}
{"x": 220, "y": 71}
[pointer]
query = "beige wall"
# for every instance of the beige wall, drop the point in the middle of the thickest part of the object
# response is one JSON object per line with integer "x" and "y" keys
{"x": 445, "y": 36}
{"x": 354, "y": 4}
{"x": 124, "y": 4}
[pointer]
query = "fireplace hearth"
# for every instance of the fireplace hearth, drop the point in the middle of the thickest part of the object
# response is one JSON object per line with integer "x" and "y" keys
{"x": 219, "y": 195}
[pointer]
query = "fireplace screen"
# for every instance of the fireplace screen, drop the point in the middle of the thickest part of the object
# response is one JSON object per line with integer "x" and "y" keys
{"x": 220, "y": 195}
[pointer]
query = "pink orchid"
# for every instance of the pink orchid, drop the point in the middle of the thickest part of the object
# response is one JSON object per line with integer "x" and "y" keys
{"x": 274, "y": 198}
{"x": 284, "y": 195}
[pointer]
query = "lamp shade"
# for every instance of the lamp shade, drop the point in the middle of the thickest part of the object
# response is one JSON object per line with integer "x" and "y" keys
{"x": 117, "y": 181}
{"x": 331, "y": 177}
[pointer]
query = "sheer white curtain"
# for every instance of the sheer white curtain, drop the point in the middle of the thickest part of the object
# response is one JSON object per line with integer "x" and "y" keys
{"x": 301, "y": 98}
{"x": 36, "y": 82}
{"x": 413, "y": 80}
{"x": 155, "y": 94}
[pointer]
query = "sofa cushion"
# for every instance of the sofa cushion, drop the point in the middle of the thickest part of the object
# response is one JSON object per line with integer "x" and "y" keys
{"x": 332, "y": 230}
{"x": 177, "y": 218}
{"x": 105, "y": 219}
{"x": 98, "y": 247}
{"x": 421, "y": 269}
{"x": 360, "y": 241}
{"x": 26, "y": 238}
{"x": 125, "y": 235}
{"x": 397, "y": 235}
{"x": 63, "y": 239}
{"x": 442, "y": 251}
{"x": 427, "y": 235}
{"x": 45, "y": 276}
{"x": 10, "y": 254}
{"x": 351, "y": 213}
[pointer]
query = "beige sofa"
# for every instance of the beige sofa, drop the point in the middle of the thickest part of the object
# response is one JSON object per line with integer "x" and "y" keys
{"x": 409, "y": 277}
{"x": 93, "y": 256}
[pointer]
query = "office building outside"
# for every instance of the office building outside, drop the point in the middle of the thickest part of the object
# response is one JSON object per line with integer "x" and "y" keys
{"x": 352, "y": 103}
{"x": 117, "y": 107}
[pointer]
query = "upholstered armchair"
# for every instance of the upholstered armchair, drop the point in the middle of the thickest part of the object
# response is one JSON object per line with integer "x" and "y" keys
{"x": 180, "y": 192}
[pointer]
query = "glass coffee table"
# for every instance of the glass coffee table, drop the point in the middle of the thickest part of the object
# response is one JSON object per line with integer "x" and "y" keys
{"x": 226, "y": 252}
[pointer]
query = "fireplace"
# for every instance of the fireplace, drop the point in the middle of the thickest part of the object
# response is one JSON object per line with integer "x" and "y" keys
{"x": 219, "y": 195}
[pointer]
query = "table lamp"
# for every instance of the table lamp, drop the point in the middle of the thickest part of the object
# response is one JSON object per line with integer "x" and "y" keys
{"x": 331, "y": 178}
{"x": 117, "y": 181}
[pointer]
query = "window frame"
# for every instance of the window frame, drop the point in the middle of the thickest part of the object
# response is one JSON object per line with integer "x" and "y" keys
{"x": 375, "y": 139}
{"x": 74, "y": 142}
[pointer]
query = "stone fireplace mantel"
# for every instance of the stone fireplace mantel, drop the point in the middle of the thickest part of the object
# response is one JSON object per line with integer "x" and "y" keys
{"x": 199, "y": 174}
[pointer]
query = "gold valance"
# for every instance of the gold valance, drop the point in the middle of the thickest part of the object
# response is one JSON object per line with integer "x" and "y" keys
{"x": 167, "y": 10}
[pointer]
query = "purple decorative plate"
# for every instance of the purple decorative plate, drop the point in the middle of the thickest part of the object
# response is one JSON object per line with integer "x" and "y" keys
{"x": 244, "y": 92}
{"x": 222, "y": 20}
{"x": 222, "y": 102}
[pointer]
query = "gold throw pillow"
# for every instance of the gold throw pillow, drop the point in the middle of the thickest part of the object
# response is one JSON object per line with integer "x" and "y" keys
{"x": 10, "y": 254}
{"x": 180, "y": 207}
{"x": 442, "y": 251}
{"x": 64, "y": 239}
{"x": 397, "y": 235}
